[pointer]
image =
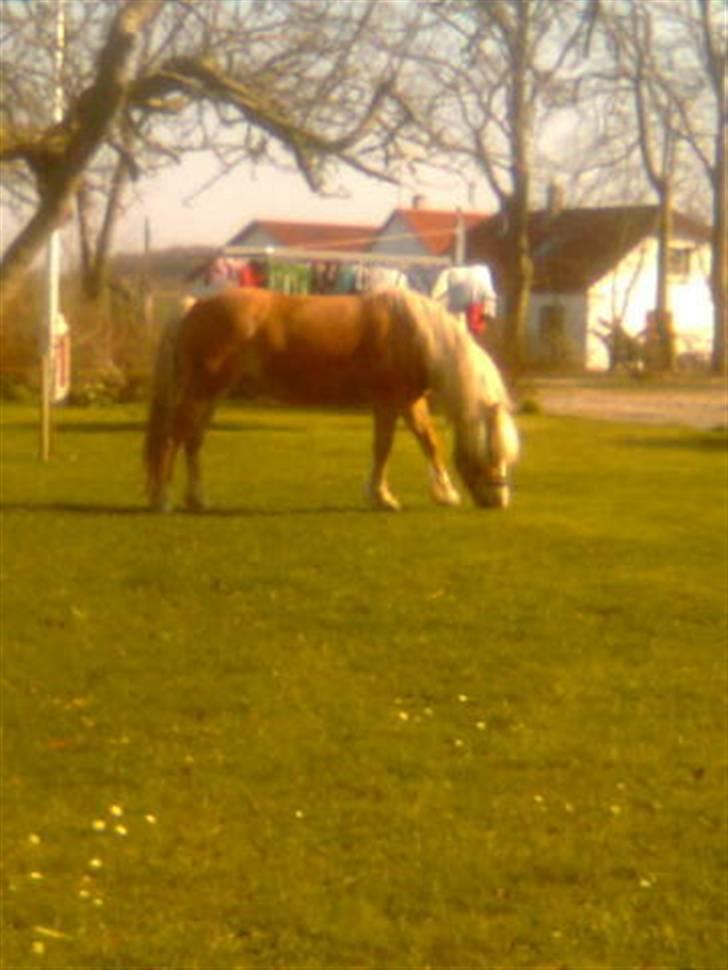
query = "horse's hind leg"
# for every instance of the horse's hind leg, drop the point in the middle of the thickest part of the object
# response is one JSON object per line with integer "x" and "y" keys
{"x": 193, "y": 420}
{"x": 159, "y": 499}
{"x": 385, "y": 421}
{"x": 419, "y": 422}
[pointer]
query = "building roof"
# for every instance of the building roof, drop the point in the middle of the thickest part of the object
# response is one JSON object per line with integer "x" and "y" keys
{"x": 310, "y": 235}
{"x": 433, "y": 228}
{"x": 573, "y": 248}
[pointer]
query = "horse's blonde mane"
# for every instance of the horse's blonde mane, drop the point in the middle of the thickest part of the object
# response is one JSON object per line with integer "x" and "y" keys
{"x": 466, "y": 378}
{"x": 460, "y": 370}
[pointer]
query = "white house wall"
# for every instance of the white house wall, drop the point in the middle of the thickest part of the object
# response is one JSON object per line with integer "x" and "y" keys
{"x": 627, "y": 293}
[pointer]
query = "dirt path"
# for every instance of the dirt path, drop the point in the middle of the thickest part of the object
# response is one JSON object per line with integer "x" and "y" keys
{"x": 701, "y": 404}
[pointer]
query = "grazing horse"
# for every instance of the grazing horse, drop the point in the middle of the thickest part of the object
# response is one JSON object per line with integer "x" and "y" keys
{"x": 385, "y": 349}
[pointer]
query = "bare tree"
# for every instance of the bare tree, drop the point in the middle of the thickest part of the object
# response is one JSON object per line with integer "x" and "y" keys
{"x": 250, "y": 81}
{"x": 657, "y": 127}
{"x": 700, "y": 108}
{"x": 487, "y": 77}
{"x": 58, "y": 155}
{"x": 640, "y": 74}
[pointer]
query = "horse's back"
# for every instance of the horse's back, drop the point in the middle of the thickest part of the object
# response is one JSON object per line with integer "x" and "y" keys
{"x": 318, "y": 349}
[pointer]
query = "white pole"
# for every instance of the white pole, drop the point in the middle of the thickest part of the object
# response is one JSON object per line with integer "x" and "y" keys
{"x": 53, "y": 259}
{"x": 459, "y": 238}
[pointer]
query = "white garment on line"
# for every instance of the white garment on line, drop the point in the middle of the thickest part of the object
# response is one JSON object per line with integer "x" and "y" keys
{"x": 458, "y": 287}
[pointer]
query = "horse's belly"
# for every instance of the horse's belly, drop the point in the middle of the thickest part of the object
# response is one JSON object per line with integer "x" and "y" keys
{"x": 301, "y": 380}
{"x": 329, "y": 385}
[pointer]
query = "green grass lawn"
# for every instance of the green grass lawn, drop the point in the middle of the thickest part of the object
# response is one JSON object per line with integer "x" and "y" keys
{"x": 296, "y": 733}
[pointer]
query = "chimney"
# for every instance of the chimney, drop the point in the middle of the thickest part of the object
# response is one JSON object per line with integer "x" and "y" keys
{"x": 419, "y": 201}
{"x": 554, "y": 199}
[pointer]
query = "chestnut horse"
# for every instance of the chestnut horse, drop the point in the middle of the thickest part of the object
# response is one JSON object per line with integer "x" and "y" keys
{"x": 385, "y": 349}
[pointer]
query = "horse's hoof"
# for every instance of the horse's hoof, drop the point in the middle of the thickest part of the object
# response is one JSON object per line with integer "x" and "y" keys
{"x": 385, "y": 503}
{"x": 162, "y": 507}
{"x": 196, "y": 505}
{"x": 451, "y": 499}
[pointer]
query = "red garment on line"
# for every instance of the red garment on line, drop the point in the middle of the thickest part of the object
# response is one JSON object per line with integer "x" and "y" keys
{"x": 251, "y": 275}
{"x": 476, "y": 319}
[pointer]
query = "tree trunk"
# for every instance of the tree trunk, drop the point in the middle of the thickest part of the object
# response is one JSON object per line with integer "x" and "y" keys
{"x": 518, "y": 286}
{"x": 665, "y": 331}
{"x": 719, "y": 269}
{"x": 520, "y": 264}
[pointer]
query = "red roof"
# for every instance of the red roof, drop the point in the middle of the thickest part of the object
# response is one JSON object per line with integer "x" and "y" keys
{"x": 310, "y": 235}
{"x": 434, "y": 228}
{"x": 573, "y": 248}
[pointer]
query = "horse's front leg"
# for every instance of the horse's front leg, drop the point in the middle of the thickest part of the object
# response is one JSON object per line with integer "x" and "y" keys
{"x": 385, "y": 421}
{"x": 419, "y": 421}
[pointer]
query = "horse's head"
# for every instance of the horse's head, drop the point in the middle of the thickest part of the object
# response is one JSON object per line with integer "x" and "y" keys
{"x": 484, "y": 454}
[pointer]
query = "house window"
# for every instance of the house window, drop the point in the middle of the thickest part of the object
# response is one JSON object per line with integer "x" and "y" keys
{"x": 678, "y": 261}
{"x": 552, "y": 333}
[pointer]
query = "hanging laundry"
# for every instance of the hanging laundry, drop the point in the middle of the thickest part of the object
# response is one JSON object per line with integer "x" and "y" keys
{"x": 251, "y": 274}
{"x": 476, "y": 320}
{"x": 383, "y": 278}
{"x": 323, "y": 277}
{"x": 346, "y": 279}
{"x": 289, "y": 277}
{"x": 458, "y": 287}
{"x": 422, "y": 278}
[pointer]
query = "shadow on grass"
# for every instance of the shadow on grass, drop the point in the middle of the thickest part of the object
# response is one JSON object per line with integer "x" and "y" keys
{"x": 79, "y": 427}
{"x": 707, "y": 441}
{"x": 142, "y": 511}
{"x": 254, "y": 426}
{"x": 138, "y": 427}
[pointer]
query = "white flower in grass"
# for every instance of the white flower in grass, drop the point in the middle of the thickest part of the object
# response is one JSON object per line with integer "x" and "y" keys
{"x": 459, "y": 743}
{"x": 121, "y": 830}
{"x": 95, "y": 863}
{"x": 98, "y": 901}
{"x": 463, "y": 698}
{"x": 84, "y": 894}
{"x": 480, "y": 725}
{"x": 615, "y": 810}
{"x": 36, "y": 876}
{"x": 34, "y": 839}
{"x": 116, "y": 810}
{"x": 403, "y": 715}
{"x": 98, "y": 825}
{"x": 38, "y": 948}
{"x": 50, "y": 933}
{"x": 151, "y": 819}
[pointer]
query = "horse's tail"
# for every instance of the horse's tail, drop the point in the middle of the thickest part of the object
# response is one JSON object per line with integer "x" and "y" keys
{"x": 164, "y": 396}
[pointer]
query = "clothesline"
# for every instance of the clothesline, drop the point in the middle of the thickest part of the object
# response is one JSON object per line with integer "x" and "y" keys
{"x": 291, "y": 253}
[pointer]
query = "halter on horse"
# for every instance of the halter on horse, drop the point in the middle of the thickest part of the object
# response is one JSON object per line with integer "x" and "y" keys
{"x": 386, "y": 349}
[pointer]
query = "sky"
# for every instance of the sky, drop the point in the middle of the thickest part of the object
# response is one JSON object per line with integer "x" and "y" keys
{"x": 180, "y": 213}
